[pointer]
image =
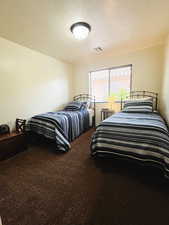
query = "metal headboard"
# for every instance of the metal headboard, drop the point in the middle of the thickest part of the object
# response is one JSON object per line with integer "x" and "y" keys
{"x": 91, "y": 99}
{"x": 142, "y": 94}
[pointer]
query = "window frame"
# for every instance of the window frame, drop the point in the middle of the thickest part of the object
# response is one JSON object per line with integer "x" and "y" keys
{"x": 109, "y": 70}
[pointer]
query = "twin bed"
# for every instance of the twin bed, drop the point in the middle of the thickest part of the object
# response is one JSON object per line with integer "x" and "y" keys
{"x": 66, "y": 125}
{"x": 136, "y": 133}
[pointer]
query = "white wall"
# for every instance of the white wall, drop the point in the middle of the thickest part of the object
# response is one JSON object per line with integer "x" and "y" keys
{"x": 165, "y": 85}
{"x": 147, "y": 69}
{"x": 30, "y": 82}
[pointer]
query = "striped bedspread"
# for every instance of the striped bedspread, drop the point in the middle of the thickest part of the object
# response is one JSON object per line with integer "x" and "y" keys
{"x": 138, "y": 136}
{"x": 61, "y": 126}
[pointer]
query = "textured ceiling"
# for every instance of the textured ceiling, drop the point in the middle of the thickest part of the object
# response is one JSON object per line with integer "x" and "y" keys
{"x": 44, "y": 25}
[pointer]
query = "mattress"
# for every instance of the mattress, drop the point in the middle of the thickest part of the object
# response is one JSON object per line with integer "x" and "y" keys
{"x": 61, "y": 126}
{"x": 142, "y": 137}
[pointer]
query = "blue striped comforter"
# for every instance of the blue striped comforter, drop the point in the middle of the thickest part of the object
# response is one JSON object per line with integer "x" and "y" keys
{"x": 61, "y": 126}
{"x": 139, "y": 136}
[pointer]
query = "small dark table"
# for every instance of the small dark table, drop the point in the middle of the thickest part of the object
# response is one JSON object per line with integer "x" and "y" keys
{"x": 106, "y": 113}
{"x": 11, "y": 144}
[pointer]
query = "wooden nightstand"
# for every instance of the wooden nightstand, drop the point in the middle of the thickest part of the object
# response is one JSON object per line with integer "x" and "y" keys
{"x": 106, "y": 113}
{"x": 11, "y": 144}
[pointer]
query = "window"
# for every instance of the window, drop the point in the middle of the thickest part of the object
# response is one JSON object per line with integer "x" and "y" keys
{"x": 110, "y": 82}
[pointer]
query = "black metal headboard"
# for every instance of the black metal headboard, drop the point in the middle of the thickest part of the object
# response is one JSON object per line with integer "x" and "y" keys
{"x": 143, "y": 94}
{"x": 84, "y": 97}
{"x": 89, "y": 98}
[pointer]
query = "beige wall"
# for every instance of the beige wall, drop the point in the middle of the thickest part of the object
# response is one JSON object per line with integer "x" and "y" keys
{"x": 147, "y": 69}
{"x": 31, "y": 82}
{"x": 165, "y": 85}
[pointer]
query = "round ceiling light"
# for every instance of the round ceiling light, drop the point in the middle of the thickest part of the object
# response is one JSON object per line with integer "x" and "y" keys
{"x": 80, "y": 30}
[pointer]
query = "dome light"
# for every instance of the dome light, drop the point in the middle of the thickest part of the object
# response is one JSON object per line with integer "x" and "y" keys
{"x": 80, "y": 30}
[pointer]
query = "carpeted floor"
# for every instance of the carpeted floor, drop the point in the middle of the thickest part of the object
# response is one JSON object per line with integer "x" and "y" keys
{"x": 42, "y": 187}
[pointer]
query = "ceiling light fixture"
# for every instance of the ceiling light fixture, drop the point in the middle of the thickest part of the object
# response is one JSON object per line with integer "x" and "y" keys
{"x": 80, "y": 30}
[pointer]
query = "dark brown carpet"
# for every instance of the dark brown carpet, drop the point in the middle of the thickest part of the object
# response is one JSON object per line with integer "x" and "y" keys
{"x": 41, "y": 187}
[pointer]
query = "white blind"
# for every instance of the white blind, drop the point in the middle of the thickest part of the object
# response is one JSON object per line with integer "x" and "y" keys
{"x": 113, "y": 81}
